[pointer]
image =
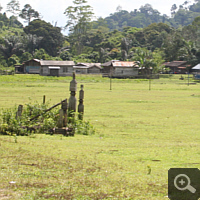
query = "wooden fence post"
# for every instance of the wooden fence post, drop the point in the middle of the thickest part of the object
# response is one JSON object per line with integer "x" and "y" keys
{"x": 19, "y": 111}
{"x": 72, "y": 99}
{"x": 44, "y": 99}
{"x": 64, "y": 108}
{"x": 81, "y": 106}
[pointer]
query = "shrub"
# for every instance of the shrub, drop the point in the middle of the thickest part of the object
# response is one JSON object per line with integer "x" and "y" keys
{"x": 24, "y": 125}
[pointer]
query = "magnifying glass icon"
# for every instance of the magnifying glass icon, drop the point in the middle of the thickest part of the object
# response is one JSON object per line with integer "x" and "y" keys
{"x": 183, "y": 180}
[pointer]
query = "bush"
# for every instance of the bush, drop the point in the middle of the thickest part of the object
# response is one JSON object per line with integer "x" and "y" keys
{"x": 10, "y": 125}
{"x": 23, "y": 125}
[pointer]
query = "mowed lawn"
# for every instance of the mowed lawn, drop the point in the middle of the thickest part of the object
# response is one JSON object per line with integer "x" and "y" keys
{"x": 140, "y": 135}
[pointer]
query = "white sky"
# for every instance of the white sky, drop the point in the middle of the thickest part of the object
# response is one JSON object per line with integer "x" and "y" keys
{"x": 52, "y": 10}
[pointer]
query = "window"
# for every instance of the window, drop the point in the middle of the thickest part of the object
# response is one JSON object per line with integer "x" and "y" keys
{"x": 65, "y": 69}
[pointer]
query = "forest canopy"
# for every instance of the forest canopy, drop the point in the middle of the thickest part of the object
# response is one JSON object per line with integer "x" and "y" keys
{"x": 122, "y": 35}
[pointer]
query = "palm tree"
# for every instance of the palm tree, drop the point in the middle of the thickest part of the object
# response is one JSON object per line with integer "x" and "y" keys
{"x": 145, "y": 60}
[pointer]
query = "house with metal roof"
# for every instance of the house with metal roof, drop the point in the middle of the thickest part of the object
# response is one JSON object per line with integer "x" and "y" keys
{"x": 177, "y": 67}
{"x": 56, "y": 68}
{"x": 87, "y": 68}
{"x": 29, "y": 67}
{"x": 196, "y": 71}
{"x": 46, "y": 67}
{"x": 120, "y": 69}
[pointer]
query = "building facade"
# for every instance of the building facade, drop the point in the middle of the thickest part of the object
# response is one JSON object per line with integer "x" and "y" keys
{"x": 120, "y": 69}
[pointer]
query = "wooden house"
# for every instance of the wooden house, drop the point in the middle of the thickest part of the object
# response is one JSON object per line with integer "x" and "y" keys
{"x": 120, "y": 69}
{"x": 177, "y": 67}
{"x": 56, "y": 68}
{"x": 31, "y": 66}
{"x": 46, "y": 67}
{"x": 88, "y": 68}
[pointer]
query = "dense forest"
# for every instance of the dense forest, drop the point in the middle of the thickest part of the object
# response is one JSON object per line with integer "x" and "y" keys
{"x": 142, "y": 35}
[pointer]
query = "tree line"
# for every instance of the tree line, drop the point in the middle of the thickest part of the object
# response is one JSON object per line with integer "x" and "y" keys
{"x": 141, "y": 35}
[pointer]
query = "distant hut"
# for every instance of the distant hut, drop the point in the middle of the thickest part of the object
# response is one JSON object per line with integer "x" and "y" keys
{"x": 120, "y": 69}
{"x": 177, "y": 67}
{"x": 56, "y": 68}
{"x": 87, "y": 68}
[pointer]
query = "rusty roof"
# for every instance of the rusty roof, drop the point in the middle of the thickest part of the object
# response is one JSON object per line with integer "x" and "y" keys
{"x": 117, "y": 63}
{"x": 124, "y": 64}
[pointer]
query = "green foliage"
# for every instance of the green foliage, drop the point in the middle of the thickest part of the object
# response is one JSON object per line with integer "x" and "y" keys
{"x": 26, "y": 56}
{"x": 51, "y": 38}
{"x": 10, "y": 124}
{"x": 11, "y": 45}
{"x": 13, "y": 60}
{"x": 13, "y": 7}
{"x": 79, "y": 17}
{"x": 41, "y": 54}
{"x": 65, "y": 55}
{"x": 1, "y": 24}
{"x": 23, "y": 125}
{"x": 85, "y": 58}
{"x": 84, "y": 128}
{"x": 28, "y": 13}
{"x": 103, "y": 39}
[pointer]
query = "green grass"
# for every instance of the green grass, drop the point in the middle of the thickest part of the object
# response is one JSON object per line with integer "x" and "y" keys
{"x": 140, "y": 134}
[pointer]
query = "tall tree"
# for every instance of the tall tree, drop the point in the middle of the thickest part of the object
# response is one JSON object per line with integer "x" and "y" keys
{"x": 1, "y": 7}
{"x": 11, "y": 45}
{"x": 13, "y": 7}
{"x": 29, "y": 13}
{"x": 173, "y": 9}
{"x": 31, "y": 42}
{"x": 48, "y": 37}
{"x": 79, "y": 17}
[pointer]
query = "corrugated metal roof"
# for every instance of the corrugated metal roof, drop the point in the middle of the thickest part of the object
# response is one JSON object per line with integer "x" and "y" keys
{"x": 197, "y": 67}
{"x": 117, "y": 63}
{"x": 88, "y": 65}
{"x": 123, "y": 64}
{"x": 175, "y": 63}
{"x": 56, "y": 62}
{"x": 80, "y": 67}
{"x": 37, "y": 60}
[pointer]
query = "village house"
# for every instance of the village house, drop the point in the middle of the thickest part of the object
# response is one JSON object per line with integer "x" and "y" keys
{"x": 120, "y": 69}
{"x": 56, "y": 68}
{"x": 87, "y": 68}
{"x": 46, "y": 67}
{"x": 177, "y": 67}
{"x": 29, "y": 67}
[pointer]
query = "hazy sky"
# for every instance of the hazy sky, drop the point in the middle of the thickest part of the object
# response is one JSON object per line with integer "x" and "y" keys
{"x": 52, "y": 10}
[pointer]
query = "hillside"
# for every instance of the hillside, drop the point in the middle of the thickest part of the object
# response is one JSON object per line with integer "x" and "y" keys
{"x": 142, "y": 34}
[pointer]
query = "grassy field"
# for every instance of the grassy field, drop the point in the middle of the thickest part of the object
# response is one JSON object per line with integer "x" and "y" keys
{"x": 140, "y": 134}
